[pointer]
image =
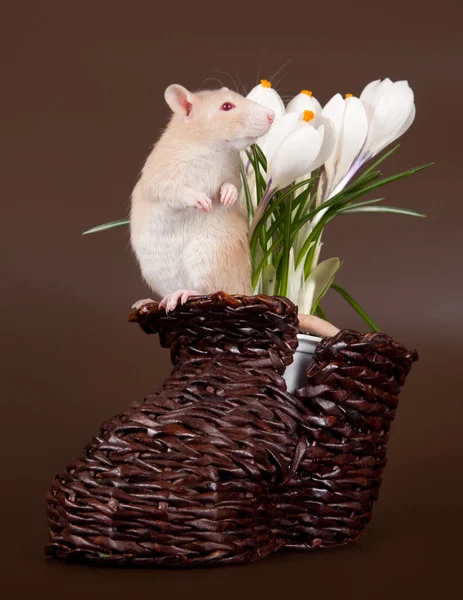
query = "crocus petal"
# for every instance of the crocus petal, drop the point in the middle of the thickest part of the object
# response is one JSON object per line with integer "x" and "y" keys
{"x": 294, "y": 157}
{"x": 408, "y": 122}
{"x": 334, "y": 111}
{"x": 372, "y": 93}
{"x": 368, "y": 94}
{"x": 268, "y": 97}
{"x": 280, "y": 130}
{"x": 354, "y": 133}
{"x": 327, "y": 133}
{"x": 302, "y": 102}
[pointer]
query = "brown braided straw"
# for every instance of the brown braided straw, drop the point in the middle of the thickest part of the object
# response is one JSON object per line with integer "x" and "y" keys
{"x": 223, "y": 465}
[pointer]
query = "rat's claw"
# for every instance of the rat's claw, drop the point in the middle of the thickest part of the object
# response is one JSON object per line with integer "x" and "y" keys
{"x": 228, "y": 194}
{"x": 171, "y": 301}
{"x": 187, "y": 294}
{"x": 204, "y": 203}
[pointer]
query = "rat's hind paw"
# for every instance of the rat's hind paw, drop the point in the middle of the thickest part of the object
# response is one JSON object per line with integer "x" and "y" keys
{"x": 171, "y": 301}
{"x": 228, "y": 194}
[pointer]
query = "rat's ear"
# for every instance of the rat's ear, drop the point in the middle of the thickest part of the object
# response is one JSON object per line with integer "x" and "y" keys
{"x": 224, "y": 89}
{"x": 179, "y": 99}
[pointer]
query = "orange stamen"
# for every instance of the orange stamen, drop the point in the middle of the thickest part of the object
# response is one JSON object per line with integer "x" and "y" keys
{"x": 265, "y": 83}
{"x": 308, "y": 115}
{"x": 306, "y": 92}
{"x": 348, "y": 95}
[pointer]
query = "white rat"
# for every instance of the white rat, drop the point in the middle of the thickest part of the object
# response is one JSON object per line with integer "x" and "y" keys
{"x": 189, "y": 234}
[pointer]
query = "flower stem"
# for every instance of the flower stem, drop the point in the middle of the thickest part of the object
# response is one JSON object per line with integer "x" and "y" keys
{"x": 286, "y": 247}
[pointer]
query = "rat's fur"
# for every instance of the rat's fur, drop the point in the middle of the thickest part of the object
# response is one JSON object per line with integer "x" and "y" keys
{"x": 177, "y": 245}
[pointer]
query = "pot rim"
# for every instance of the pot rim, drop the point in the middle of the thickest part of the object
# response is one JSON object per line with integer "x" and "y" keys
{"x": 309, "y": 338}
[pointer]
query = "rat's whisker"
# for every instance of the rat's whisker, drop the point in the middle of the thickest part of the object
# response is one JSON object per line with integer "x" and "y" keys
{"x": 272, "y": 77}
{"x": 245, "y": 93}
{"x": 212, "y": 79}
{"x": 230, "y": 77}
{"x": 278, "y": 81}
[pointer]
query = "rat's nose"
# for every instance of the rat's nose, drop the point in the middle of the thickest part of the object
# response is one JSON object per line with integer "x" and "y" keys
{"x": 271, "y": 117}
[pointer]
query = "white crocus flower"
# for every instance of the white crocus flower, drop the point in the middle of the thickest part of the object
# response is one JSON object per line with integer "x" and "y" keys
{"x": 389, "y": 110}
{"x": 321, "y": 136}
{"x": 264, "y": 94}
{"x": 304, "y": 101}
{"x": 296, "y": 145}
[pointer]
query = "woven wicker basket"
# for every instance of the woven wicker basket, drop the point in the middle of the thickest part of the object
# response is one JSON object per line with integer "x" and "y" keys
{"x": 223, "y": 465}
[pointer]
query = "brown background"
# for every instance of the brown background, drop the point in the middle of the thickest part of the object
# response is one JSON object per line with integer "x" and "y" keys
{"x": 82, "y": 102}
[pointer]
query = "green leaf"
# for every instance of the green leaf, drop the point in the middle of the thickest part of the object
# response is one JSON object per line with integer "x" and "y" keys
{"x": 307, "y": 246}
{"x": 380, "y": 160}
{"x": 320, "y": 312}
{"x": 285, "y": 265}
{"x": 260, "y": 181}
{"x": 392, "y": 178}
{"x": 359, "y": 182}
{"x": 304, "y": 200}
{"x": 356, "y": 306}
{"x": 365, "y": 203}
{"x": 271, "y": 211}
{"x": 295, "y": 277}
{"x": 107, "y": 226}
{"x": 312, "y": 255}
{"x": 342, "y": 200}
{"x": 247, "y": 194}
{"x": 260, "y": 156}
{"x": 262, "y": 264}
{"x": 382, "y": 209}
{"x": 290, "y": 190}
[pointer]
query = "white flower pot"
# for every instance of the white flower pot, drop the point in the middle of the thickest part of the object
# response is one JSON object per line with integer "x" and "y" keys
{"x": 295, "y": 373}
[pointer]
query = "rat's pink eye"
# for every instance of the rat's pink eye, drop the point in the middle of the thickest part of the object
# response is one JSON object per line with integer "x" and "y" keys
{"x": 227, "y": 106}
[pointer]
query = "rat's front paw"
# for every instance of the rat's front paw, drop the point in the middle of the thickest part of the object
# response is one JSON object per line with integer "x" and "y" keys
{"x": 203, "y": 202}
{"x": 228, "y": 194}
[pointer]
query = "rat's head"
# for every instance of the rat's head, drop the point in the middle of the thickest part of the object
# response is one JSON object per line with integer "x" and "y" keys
{"x": 221, "y": 118}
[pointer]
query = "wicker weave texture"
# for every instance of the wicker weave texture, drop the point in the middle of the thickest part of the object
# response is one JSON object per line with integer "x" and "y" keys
{"x": 223, "y": 465}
